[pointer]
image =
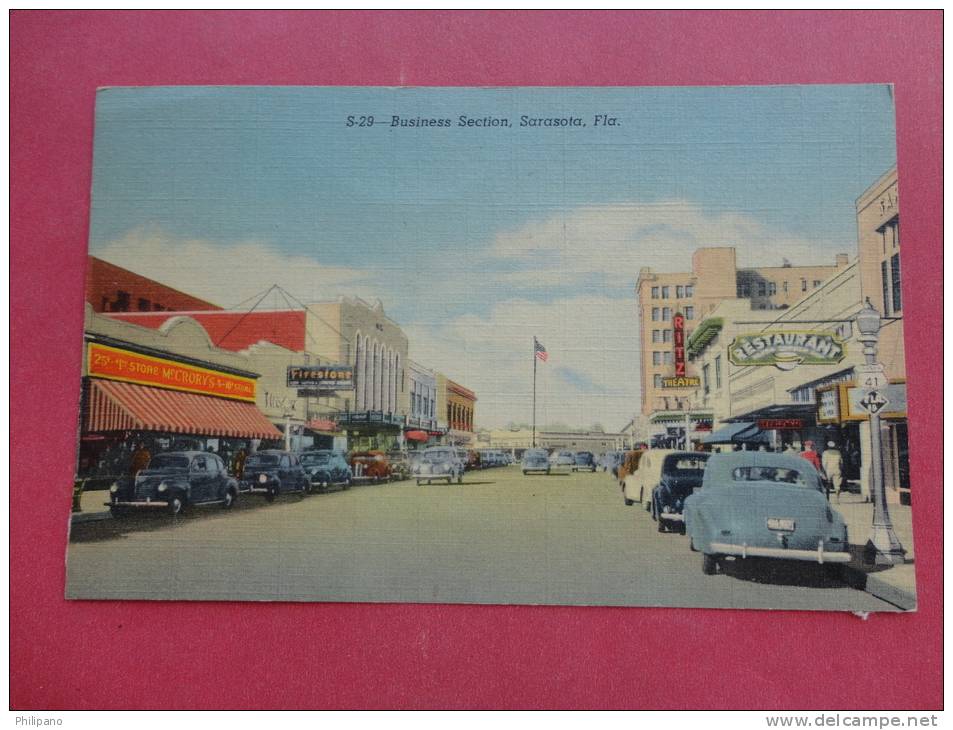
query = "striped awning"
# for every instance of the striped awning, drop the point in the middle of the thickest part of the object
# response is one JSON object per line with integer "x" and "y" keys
{"x": 115, "y": 406}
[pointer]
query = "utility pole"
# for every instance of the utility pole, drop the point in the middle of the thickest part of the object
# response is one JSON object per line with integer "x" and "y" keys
{"x": 534, "y": 392}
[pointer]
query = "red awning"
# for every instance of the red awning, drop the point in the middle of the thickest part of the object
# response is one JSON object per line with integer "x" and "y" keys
{"x": 323, "y": 425}
{"x": 417, "y": 435}
{"x": 115, "y": 406}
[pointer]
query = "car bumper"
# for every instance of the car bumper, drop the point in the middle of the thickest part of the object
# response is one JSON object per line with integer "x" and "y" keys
{"x": 750, "y": 551}
{"x": 672, "y": 517}
{"x": 138, "y": 503}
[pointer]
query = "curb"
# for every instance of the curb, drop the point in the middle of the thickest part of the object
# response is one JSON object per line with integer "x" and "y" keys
{"x": 876, "y": 586}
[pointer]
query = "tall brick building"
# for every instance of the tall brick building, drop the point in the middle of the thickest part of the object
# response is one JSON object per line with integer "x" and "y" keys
{"x": 110, "y": 288}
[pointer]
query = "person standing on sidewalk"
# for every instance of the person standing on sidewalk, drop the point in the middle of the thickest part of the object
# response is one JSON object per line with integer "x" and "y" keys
{"x": 833, "y": 464}
{"x": 811, "y": 455}
{"x": 140, "y": 459}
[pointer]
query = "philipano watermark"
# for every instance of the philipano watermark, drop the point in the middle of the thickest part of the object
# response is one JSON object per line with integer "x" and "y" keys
{"x": 880, "y": 722}
{"x": 34, "y": 721}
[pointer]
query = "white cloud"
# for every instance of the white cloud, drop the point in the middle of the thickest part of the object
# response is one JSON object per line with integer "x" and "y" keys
{"x": 228, "y": 274}
{"x": 591, "y": 376}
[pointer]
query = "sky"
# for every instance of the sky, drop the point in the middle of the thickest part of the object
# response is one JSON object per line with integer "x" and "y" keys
{"x": 476, "y": 239}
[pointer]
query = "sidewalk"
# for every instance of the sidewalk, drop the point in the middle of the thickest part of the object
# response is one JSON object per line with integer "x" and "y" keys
{"x": 93, "y": 507}
{"x": 897, "y": 584}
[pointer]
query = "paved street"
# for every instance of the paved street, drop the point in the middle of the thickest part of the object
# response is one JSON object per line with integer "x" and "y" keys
{"x": 501, "y": 537}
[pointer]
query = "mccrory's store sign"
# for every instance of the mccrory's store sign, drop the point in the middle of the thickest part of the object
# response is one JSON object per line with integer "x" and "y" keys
{"x": 787, "y": 349}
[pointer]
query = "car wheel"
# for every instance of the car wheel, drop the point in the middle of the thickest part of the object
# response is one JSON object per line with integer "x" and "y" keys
{"x": 117, "y": 511}
{"x": 709, "y": 564}
{"x": 270, "y": 494}
{"x": 176, "y": 505}
{"x": 460, "y": 478}
{"x": 229, "y": 500}
{"x": 691, "y": 545}
{"x": 418, "y": 482}
{"x": 524, "y": 472}
{"x": 547, "y": 472}
{"x": 628, "y": 502}
{"x": 681, "y": 528}
{"x": 662, "y": 527}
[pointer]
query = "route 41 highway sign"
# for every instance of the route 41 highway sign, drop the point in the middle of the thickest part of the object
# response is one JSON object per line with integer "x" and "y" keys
{"x": 874, "y": 402}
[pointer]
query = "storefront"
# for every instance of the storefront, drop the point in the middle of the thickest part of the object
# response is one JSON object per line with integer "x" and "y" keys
{"x": 669, "y": 429}
{"x": 372, "y": 430}
{"x": 136, "y": 398}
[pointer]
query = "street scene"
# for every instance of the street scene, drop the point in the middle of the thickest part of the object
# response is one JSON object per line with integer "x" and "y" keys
{"x": 403, "y": 345}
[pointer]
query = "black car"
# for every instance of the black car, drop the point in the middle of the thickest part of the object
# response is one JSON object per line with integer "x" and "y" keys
{"x": 326, "y": 468}
{"x": 682, "y": 474}
{"x": 173, "y": 481}
{"x": 272, "y": 472}
{"x": 584, "y": 461}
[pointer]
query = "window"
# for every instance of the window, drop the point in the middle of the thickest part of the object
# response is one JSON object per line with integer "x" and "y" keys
{"x": 817, "y": 283}
{"x": 772, "y": 288}
{"x": 669, "y": 358}
{"x": 144, "y": 305}
{"x": 122, "y": 302}
{"x": 803, "y": 284}
{"x": 689, "y": 313}
{"x": 895, "y": 281}
{"x": 689, "y": 291}
{"x": 664, "y": 292}
{"x": 742, "y": 291}
{"x": 656, "y": 335}
{"x": 657, "y": 381}
{"x": 656, "y": 358}
{"x": 706, "y": 379}
{"x": 654, "y": 292}
{"x": 655, "y": 314}
{"x": 784, "y": 287}
{"x": 666, "y": 314}
{"x": 885, "y": 282}
{"x": 762, "y": 289}
{"x": 718, "y": 372}
{"x": 679, "y": 292}
{"x": 666, "y": 335}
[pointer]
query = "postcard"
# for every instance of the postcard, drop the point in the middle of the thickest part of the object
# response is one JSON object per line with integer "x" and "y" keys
{"x": 578, "y": 346}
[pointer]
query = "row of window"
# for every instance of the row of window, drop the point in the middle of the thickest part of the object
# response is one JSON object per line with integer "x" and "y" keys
{"x": 422, "y": 403}
{"x": 890, "y": 234}
{"x": 890, "y": 279}
{"x": 123, "y": 303}
{"x": 748, "y": 289}
{"x": 664, "y": 314}
{"x": 681, "y": 292}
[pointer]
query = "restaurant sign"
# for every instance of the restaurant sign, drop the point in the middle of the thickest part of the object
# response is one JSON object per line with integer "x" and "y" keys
{"x": 321, "y": 377}
{"x": 113, "y": 363}
{"x": 786, "y": 349}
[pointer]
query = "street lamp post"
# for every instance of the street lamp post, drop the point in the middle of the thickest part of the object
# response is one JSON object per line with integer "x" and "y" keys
{"x": 883, "y": 547}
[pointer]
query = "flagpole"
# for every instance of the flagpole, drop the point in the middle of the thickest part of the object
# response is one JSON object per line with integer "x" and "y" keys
{"x": 534, "y": 392}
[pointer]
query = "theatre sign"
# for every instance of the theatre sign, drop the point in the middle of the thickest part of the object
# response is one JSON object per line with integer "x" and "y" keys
{"x": 786, "y": 349}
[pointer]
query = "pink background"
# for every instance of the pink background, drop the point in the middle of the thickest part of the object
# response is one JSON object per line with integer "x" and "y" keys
{"x": 110, "y": 654}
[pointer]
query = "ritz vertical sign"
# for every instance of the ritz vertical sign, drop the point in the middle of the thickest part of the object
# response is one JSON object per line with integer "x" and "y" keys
{"x": 678, "y": 323}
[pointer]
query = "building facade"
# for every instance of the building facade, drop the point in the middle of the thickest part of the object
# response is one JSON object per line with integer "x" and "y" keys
{"x": 597, "y": 442}
{"x": 668, "y": 380}
{"x": 111, "y": 288}
{"x": 461, "y": 409}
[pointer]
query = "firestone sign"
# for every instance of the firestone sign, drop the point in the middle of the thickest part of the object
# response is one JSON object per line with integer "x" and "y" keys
{"x": 321, "y": 377}
{"x": 786, "y": 350}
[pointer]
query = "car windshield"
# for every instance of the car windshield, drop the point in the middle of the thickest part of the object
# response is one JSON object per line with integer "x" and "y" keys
{"x": 168, "y": 461}
{"x": 685, "y": 466}
{"x": 437, "y": 456}
{"x": 537, "y": 454}
{"x": 771, "y": 474}
{"x": 315, "y": 457}
{"x": 583, "y": 457}
{"x": 262, "y": 460}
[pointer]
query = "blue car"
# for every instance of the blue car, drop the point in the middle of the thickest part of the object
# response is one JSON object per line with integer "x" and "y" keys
{"x": 271, "y": 472}
{"x": 535, "y": 460}
{"x": 764, "y": 505}
{"x": 584, "y": 460}
{"x": 325, "y": 469}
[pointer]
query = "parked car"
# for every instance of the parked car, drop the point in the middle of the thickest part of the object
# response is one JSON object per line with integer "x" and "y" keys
{"x": 370, "y": 465}
{"x": 400, "y": 467}
{"x": 681, "y": 475}
{"x": 584, "y": 460}
{"x": 474, "y": 460}
{"x": 564, "y": 458}
{"x": 766, "y": 505}
{"x": 272, "y": 472}
{"x": 638, "y": 484}
{"x": 439, "y": 462}
{"x": 610, "y": 461}
{"x": 535, "y": 460}
{"x": 175, "y": 480}
{"x": 628, "y": 465}
{"x": 325, "y": 469}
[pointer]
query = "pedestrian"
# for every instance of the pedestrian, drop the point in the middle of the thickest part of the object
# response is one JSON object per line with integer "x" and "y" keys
{"x": 238, "y": 465}
{"x": 833, "y": 464}
{"x": 811, "y": 455}
{"x": 140, "y": 459}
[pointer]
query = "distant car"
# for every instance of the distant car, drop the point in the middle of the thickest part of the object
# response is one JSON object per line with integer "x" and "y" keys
{"x": 765, "y": 505}
{"x": 638, "y": 484}
{"x": 370, "y": 465}
{"x": 564, "y": 458}
{"x": 610, "y": 460}
{"x": 325, "y": 469}
{"x": 175, "y": 480}
{"x": 584, "y": 461}
{"x": 680, "y": 476}
{"x": 272, "y": 472}
{"x": 535, "y": 460}
{"x": 474, "y": 460}
{"x": 400, "y": 467}
{"x": 438, "y": 463}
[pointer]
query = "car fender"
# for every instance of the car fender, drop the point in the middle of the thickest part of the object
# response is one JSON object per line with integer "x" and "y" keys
{"x": 177, "y": 486}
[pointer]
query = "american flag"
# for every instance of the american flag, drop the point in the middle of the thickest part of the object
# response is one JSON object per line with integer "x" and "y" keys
{"x": 541, "y": 353}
